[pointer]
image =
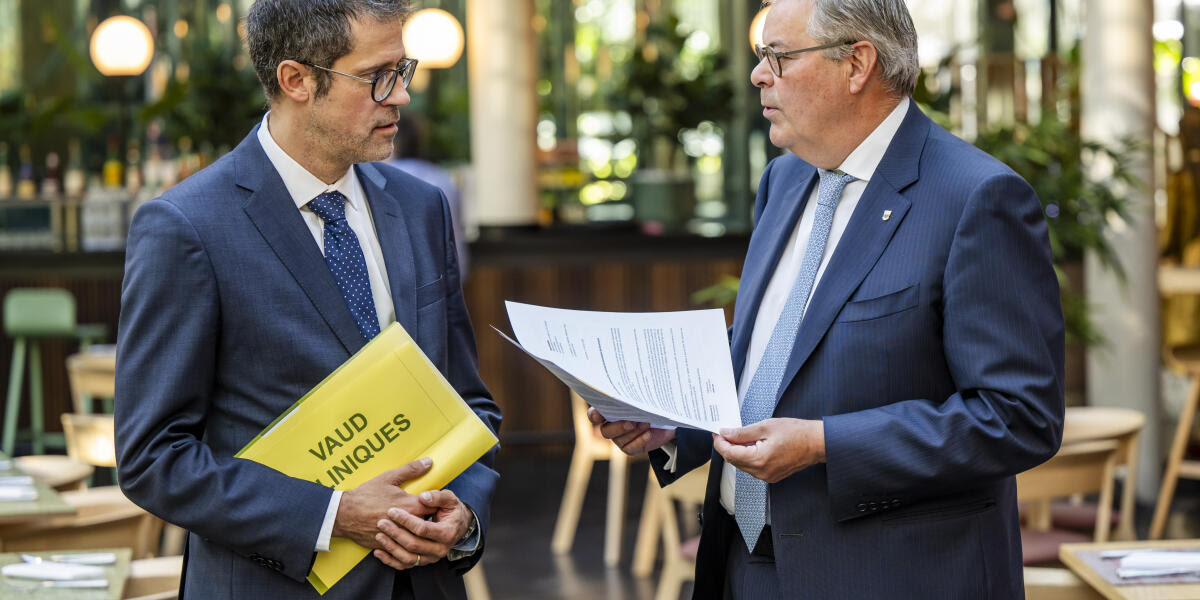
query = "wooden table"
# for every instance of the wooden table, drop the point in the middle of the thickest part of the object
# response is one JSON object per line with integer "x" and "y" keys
{"x": 1084, "y": 424}
{"x": 27, "y": 588}
{"x": 1069, "y": 554}
{"x": 48, "y": 502}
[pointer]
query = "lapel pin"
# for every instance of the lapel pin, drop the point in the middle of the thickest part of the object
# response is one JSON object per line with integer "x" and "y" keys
{"x": 887, "y": 214}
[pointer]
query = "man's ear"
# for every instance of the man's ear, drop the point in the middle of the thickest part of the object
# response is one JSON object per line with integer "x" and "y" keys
{"x": 862, "y": 61}
{"x": 293, "y": 80}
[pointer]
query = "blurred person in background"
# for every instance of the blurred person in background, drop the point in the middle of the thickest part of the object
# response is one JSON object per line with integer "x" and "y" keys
{"x": 411, "y": 155}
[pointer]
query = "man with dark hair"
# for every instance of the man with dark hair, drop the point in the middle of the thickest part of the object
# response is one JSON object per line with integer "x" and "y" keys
{"x": 898, "y": 339}
{"x": 249, "y": 282}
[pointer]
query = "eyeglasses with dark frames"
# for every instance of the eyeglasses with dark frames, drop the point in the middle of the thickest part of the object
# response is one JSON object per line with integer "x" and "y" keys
{"x": 773, "y": 57}
{"x": 385, "y": 81}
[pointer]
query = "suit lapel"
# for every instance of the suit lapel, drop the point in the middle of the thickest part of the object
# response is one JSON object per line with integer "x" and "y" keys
{"x": 775, "y": 227}
{"x": 865, "y": 238}
{"x": 274, "y": 214}
{"x": 396, "y": 244}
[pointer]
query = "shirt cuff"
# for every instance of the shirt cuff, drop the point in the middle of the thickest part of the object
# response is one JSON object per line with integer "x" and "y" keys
{"x": 672, "y": 450}
{"x": 327, "y": 525}
{"x": 469, "y": 544}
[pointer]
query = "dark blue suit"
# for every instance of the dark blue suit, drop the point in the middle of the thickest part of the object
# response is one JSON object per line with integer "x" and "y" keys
{"x": 229, "y": 314}
{"x": 933, "y": 351}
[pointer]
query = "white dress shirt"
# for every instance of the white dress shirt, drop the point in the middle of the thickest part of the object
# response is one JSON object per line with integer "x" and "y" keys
{"x": 303, "y": 187}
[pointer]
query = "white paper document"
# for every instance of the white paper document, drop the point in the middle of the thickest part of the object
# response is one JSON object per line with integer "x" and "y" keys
{"x": 666, "y": 368}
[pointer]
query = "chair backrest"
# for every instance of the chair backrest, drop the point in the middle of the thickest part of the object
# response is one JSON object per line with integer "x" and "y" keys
{"x": 90, "y": 376}
{"x": 39, "y": 311}
{"x": 1081, "y": 468}
{"x": 90, "y": 438}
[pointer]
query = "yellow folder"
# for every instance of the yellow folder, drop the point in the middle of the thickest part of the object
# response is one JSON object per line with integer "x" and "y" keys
{"x": 384, "y": 407}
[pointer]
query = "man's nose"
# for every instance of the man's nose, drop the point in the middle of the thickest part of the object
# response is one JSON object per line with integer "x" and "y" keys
{"x": 761, "y": 75}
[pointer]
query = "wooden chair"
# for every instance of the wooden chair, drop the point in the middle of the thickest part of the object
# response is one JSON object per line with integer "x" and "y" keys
{"x": 1080, "y": 468}
{"x": 104, "y": 518}
{"x": 1091, "y": 423}
{"x": 590, "y": 447}
{"x": 92, "y": 375}
{"x": 679, "y": 554}
{"x": 90, "y": 438}
{"x": 154, "y": 577}
{"x": 1177, "y": 467}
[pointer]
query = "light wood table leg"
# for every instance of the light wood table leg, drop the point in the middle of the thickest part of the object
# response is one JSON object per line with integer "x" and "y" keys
{"x": 1125, "y": 530}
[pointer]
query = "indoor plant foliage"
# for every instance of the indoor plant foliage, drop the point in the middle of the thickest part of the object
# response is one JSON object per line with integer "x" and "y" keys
{"x": 1079, "y": 206}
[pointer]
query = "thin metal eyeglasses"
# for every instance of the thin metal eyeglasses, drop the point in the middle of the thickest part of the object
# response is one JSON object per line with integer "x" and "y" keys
{"x": 773, "y": 57}
{"x": 385, "y": 81}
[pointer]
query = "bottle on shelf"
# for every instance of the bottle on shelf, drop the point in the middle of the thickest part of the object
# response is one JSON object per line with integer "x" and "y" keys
{"x": 51, "y": 187}
{"x": 74, "y": 180}
{"x": 73, "y": 186}
{"x": 133, "y": 170}
{"x": 26, "y": 187}
{"x": 6, "y": 178}
{"x": 113, "y": 170}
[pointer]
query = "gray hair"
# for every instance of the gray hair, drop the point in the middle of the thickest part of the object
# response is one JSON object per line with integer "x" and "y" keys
{"x": 885, "y": 23}
{"x": 312, "y": 31}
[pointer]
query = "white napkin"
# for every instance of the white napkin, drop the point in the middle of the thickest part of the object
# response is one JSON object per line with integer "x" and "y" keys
{"x": 1161, "y": 560}
{"x": 52, "y": 571}
{"x": 17, "y": 493}
{"x": 16, "y": 480}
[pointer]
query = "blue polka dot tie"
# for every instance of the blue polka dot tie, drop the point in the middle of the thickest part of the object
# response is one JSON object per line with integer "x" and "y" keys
{"x": 750, "y": 493}
{"x": 345, "y": 259}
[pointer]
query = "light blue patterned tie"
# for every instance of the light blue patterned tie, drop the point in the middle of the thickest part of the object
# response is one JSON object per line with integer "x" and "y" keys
{"x": 345, "y": 259}
{"x": 750, "y": 493}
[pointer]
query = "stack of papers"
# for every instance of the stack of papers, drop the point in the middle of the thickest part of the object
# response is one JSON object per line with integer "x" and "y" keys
{"x": 1158, "y": 563}
{"x": 52, "y": 571}
{"x": 666, "y": 368}
{"x": 17, "y": 488}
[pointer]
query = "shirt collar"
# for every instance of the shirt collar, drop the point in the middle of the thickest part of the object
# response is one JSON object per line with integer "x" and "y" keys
{"x": 302, "y": 185}
{"x": 862, "y": 162}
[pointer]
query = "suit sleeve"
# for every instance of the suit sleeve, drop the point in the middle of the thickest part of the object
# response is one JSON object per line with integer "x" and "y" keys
{"x": 476, "y": 485}
{"x": 1003, "y": 344}
{"x": 166, "y": 373}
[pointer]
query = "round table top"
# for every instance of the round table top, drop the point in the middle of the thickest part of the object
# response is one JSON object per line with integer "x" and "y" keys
{"x": 1085, "y": 423}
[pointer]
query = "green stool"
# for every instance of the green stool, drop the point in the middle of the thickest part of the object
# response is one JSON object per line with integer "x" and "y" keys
{"x": 31, "y": 315}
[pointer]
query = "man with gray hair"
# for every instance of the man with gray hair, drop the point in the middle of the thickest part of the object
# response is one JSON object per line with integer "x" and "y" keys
{"x": 252, "y": 280}
{"x": 898, "y": 339}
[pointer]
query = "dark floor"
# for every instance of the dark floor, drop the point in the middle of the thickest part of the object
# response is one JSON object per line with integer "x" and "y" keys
{"x": 520, "y": 566}
{"x": 518, "y": 562}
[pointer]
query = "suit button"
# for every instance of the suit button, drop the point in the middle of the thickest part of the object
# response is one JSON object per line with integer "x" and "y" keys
{"x": 700, "y": 518}
{"x": 873, "y": 506}
{"x": 895, "y": 502}
{"x": 862, "y": 507}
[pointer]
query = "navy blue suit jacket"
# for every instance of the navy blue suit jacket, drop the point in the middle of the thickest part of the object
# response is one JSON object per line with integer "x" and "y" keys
{"x": 933, "y": 351}
{"x": 228, "y": 315}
